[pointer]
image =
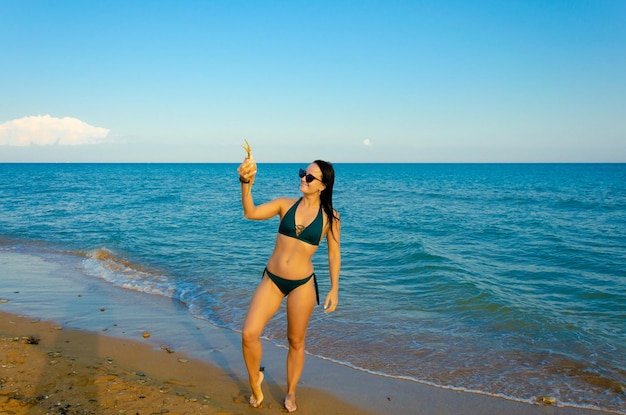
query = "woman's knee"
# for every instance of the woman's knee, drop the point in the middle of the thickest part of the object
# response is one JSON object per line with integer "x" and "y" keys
{"x": 296, "y": 341}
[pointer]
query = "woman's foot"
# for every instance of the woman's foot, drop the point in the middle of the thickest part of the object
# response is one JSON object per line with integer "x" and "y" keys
{"x": 290, "y": 403}
{"x": 257, "y": 394}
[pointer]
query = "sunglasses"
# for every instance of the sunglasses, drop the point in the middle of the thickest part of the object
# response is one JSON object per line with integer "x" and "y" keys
{"x": 308, "y": 177}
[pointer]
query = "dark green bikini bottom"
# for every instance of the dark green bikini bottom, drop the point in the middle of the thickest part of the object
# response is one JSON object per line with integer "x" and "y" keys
{"x": 287, "y": 286}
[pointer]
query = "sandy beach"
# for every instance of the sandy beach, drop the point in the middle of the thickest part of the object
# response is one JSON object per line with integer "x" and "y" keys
{"x": 48, "y": 369}
{"x": 76, "y": 346}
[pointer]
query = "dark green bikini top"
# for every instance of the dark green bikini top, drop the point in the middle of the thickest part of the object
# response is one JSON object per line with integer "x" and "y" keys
{"x": 310, "y": 234}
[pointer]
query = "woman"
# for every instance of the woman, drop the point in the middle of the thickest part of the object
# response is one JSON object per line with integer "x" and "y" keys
{"x": 304, "y": 223}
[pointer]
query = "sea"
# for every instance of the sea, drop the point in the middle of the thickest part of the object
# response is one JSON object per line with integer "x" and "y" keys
{"x": 503, "y": 279}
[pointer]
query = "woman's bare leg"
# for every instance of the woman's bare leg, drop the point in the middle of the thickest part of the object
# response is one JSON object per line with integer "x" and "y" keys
{"x": 264, "y": 304}
{"x": 300, "y": 305}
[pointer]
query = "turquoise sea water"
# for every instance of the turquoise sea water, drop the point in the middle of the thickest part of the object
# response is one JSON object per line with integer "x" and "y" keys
{"x": 506, "y": 279}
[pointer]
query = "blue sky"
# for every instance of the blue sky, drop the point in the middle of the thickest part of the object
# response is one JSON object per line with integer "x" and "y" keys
{"x": 346, "y": 81}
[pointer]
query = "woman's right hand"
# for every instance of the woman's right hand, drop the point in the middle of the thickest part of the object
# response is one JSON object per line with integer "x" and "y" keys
{"x": 247, "y": 169}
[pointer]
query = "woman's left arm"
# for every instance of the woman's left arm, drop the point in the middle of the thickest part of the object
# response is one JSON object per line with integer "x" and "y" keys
{"x": 333, "y": 239}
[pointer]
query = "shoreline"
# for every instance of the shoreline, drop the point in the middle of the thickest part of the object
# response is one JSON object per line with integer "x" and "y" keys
{"x": 50, "y": 368}
{"x": 107, "y": 319}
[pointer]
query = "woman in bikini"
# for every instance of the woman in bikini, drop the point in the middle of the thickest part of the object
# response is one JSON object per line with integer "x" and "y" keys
{"x": 304, "y": 223}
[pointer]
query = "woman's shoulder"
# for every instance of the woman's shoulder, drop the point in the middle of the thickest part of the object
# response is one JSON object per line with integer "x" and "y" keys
{"x": 285, "y": 202}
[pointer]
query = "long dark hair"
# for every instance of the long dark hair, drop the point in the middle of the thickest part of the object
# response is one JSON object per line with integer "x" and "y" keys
{"x": 326, "y": 197}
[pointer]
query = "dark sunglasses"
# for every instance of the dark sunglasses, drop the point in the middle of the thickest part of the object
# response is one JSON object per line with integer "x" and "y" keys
{"x": 308, "y": 177}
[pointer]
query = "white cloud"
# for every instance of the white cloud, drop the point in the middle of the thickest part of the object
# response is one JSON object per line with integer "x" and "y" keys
{"x": 46, "y": 130}
{"x": 367, "y": 142}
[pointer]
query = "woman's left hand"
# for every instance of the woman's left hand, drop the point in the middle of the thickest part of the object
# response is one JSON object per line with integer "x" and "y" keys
{"x": 332, "y": 299}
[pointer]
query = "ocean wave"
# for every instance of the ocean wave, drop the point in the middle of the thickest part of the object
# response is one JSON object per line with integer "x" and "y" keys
{"x": 104, "y": 264}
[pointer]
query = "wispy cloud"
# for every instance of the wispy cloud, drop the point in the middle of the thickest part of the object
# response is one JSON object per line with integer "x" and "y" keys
{"x": 47, "y": 130}
{"x": 367, "y": 142}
